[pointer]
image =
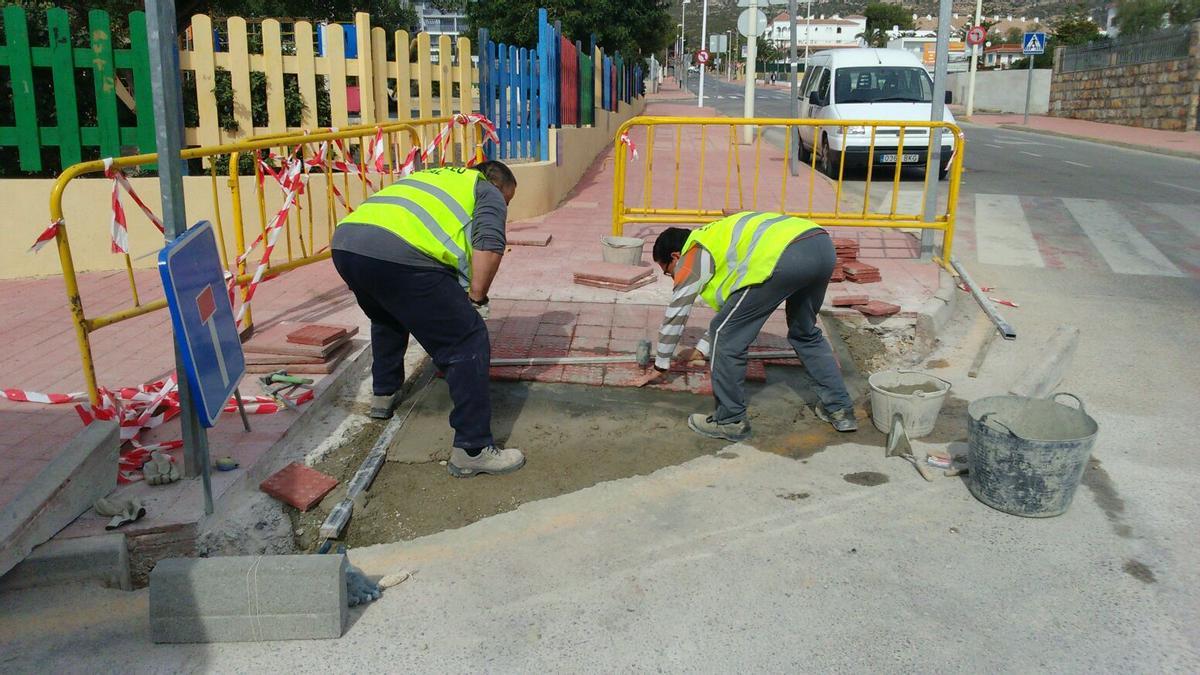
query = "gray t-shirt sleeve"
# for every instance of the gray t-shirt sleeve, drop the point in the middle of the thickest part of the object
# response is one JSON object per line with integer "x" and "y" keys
{"x": 491, "y": 212}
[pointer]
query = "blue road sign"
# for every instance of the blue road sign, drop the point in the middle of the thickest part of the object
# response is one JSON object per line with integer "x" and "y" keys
{"x": 203, "y": 317}
{"x": 1034, "y": 43}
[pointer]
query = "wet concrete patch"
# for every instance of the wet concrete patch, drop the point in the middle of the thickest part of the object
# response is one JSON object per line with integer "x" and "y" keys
{"x": 574, "y": 436}
{"x": 1104, "y": 493}
{"x": 794, "y": 496}
{"x": 1140, "y": 571}
{"x": 867, "y": 478}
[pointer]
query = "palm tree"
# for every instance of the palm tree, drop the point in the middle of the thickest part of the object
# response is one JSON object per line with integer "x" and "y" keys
{"x": 874, "y": 37}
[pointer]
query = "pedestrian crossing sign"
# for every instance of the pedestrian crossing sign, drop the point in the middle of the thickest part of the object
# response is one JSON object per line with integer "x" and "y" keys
{"x": 1034, "y": 43}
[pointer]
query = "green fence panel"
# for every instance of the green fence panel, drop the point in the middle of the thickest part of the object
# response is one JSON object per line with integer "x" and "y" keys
{"x": 141, "y": 82}
{"x": 587, "y": 91}
{"x": 104, "y": 77}
{"x": 20, "y": 68}
{"x": 62, "y": 69}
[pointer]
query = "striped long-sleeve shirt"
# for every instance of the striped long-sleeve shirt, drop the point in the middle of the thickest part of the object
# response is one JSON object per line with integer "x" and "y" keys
{"x": 692, "y": 272}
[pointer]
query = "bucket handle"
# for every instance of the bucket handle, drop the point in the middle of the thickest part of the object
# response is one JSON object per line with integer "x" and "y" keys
{"x": 921, "y": 394}
{"x": 987, "y": 421}
{"x": 1055, "y": 396}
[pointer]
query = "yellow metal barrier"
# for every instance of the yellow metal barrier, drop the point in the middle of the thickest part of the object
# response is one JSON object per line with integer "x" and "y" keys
{"x": 399, "y": 138}
{"x": 799, "y": 200}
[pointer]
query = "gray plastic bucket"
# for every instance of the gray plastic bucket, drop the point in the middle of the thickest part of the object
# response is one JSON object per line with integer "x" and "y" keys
{"x": 1027, "y": 455}
{"x": 622, "y": 250}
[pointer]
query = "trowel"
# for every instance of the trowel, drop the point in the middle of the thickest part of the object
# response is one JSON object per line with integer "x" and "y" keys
{"x": 898, "y": 445}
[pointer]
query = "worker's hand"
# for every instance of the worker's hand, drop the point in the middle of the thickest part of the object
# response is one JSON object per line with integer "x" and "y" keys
{"x": 651, "y": 376}
{"x": 690, "y": 356}
{"x": 483, "y": 307}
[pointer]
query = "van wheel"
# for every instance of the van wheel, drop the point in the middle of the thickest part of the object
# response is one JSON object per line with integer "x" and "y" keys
{"x": 943, "y": 171}
{"x": 803, "y": 153}
{"x": 828, "y": 167}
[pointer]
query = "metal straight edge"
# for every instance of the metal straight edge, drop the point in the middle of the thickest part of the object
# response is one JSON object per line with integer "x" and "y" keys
{"x": 988, "y": 307}
{"x": 337, "y": 519}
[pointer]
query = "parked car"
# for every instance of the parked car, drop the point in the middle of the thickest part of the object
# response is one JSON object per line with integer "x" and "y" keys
{"x": 869, "y": 84}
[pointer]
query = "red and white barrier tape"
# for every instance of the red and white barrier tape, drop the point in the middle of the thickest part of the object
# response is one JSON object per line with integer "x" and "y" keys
{"x": 628, "y": 143}
{"x": 19, "y": 396}
{"x": 119, "y": 226}
{"x": 46, "y": 236}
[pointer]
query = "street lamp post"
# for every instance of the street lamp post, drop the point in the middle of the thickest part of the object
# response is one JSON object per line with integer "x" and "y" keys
{"x": 683, "y": 41}
{"x": 703, "y": 45}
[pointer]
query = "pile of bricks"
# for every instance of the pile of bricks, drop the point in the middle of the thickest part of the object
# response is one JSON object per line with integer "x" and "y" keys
{"x": 865, "y": 305}
{"x": 298, "y": 348}
{"x": 613, "y": 276}
{"x": 848, "y": 267}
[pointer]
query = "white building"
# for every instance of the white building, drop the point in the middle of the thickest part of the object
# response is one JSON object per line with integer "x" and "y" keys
{"x": 438, "y": 22}
{"x": 820, "y": 33}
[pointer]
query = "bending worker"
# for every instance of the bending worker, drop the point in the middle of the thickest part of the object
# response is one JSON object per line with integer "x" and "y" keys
{"x": 419, "y": 256}
{"x": 744, "y": 266}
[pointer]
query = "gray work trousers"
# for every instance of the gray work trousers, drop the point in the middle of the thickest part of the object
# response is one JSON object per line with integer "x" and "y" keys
{"x": 800, "y": 279}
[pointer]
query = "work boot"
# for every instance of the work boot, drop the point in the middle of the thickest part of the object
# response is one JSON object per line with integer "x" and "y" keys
{"x": 382, "y": 407}
{"x": 842, "y": 420}
{"x": 491, "y": 460}
{"x": 705, "y": 425}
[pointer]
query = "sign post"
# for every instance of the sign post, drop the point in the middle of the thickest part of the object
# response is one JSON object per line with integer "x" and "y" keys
{"x": 933, "y": 155}
{"x": 1033, "y": 45}
{"x": 975, "y": 38}
{"x": 703, "y": 43}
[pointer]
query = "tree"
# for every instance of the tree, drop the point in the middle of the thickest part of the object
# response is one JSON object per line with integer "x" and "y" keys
{"x": 1141, "y": 16}
{"x": 874, "y": 37}
{"x": 883, "y": 17}
{"x": 767, "y": 51}
{"x": 1075, "y": 29}
{"x": 632, "y": 27}
{"x": 1184, "y": 12}
{"x": 1013, "y": 36}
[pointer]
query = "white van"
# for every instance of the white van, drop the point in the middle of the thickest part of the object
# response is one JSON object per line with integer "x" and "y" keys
{"x": 868, "y": 84}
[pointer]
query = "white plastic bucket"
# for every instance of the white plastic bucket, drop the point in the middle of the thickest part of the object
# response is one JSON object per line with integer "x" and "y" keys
{"x": 919, "y": 409}
{"x": 622, "y": 250}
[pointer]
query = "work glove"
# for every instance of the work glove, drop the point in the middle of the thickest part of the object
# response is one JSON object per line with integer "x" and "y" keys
{"x": 122, "y": 511}
{"x": 359, "y": 589}
{"x": 160, "y": 470}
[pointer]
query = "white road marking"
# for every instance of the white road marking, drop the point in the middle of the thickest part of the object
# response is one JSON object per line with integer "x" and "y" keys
{"x": 1177, "y": 187}
{"x": 1003, "y": 235}
{"x": 1124, "y": 248}
{"x": 993, "y": 145}
{"x": 1187, "y": 216}
{"x": 1086, "y": 166}
{"x": 1031, "y": 154}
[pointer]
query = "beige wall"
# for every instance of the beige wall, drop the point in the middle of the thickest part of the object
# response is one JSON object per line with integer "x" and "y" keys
{"x": 26, "y": 210}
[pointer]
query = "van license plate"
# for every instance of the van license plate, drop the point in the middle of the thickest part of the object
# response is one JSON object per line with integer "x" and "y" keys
{"x": 908, "y": 159}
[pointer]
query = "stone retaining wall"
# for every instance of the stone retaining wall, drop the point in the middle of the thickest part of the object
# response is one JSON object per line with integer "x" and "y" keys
{"x": 1158, "y": 95}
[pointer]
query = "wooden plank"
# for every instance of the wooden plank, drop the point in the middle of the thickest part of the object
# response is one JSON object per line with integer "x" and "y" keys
{"x": 445, "y": 76}
{"x": 365, "y": 72}
{"x": 502, "y": 121}
{"x": 62, "y": 69}
{"x": 273, "y": 55}
{"x": 535, "y": 103}
{"x": 239, "y": 71}
{"x": 335, "y": 56}
{"x": 466, "y": 102}
{"x": 379, "y": 74}
{"x": 402, "y": 71}
{"x": 424, "y": 77}
{"x": 527, "y": 132}
{"x": 20, "y": 68}
{"x": 208, "y": 132}
{"x": 103, "y": 77}
{"x": 143, "y": 95}
{"x": 306, "y": 73}
{"x": 544, "y": 85}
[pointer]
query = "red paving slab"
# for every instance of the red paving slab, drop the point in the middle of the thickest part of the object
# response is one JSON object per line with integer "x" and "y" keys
{"x": 1187, "y": 142}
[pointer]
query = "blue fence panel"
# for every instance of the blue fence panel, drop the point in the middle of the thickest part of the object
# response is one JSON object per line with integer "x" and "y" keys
{"x": 526, "y": 85}
{"x": 514, "y": 102}
{"x": 535, "y": 103}
{"x": 501, "y": 108}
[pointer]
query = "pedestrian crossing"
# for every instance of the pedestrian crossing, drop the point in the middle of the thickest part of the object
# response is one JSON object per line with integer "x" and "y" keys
{"x": 1094, "y": 235}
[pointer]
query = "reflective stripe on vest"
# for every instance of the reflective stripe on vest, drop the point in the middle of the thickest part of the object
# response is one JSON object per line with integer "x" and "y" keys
{"x": 431, "y": 211}
{"x": 745, "y": 248}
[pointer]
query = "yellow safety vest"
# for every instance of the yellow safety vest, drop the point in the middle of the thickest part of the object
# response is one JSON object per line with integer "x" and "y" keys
{"x": 432, "y": 210}
{"x": 745, "y": 248}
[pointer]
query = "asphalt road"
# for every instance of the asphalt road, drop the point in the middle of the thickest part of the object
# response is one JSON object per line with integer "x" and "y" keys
{"x": 1015, "y": 162}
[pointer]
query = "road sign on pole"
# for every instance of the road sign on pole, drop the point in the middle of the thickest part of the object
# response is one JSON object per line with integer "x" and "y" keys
{"x": 702, "y": 56}
{"x": 975, "y": 36}
{"x": 205, "y": 330}
{"x": 1034, "y": 43}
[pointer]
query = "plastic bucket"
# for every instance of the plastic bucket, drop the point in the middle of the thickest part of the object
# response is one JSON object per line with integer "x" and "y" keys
{"x": 622, "y": 250}
{"x": 917, "y": 396}
{"x": 1027, "y": 455}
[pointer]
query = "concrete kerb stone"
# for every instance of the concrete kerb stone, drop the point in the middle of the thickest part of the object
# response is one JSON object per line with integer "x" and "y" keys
{"x": 248, "y": 598}
{"x": 1041, "y": 377}
{"x": 935, "y": 312}
{"x": 103, "y": 559}
{"x": 1185, "y": 154}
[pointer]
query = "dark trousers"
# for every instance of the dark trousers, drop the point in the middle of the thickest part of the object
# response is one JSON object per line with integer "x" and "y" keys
{"x": 432, "y": 307}
{"x": 799, "y": 281}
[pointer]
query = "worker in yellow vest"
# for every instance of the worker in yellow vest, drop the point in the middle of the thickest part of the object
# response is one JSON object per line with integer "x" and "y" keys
{"x": 419, "y": 256}
{"x": 744, "y": 266}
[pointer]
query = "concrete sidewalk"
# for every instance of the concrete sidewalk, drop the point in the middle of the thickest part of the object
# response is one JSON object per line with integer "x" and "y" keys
{"x": 1177, "y": 143}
